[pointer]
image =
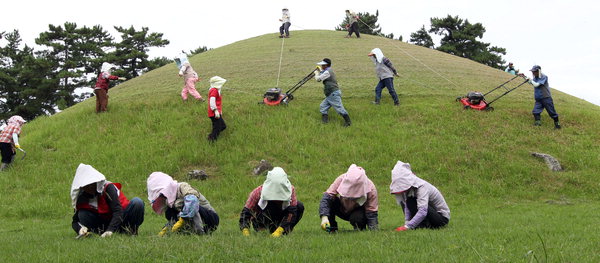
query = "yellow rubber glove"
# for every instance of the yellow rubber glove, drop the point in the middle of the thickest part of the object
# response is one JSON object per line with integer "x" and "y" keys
{"x": 246, "y": 232}
{"x": 163, "y": 232}
{"x": 278, "y": 232}
{"x": 178, "y": 225}
{"x": 325, "y": 223}
{"x": 17, "y": 146}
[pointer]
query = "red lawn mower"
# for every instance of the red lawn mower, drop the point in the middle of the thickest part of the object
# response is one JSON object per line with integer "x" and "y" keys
{"x": 274, "y": 97}
{"x": 476, "y": 100}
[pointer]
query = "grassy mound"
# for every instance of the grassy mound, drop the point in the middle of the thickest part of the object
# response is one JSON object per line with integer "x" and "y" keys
{"x": 506, "y": 205}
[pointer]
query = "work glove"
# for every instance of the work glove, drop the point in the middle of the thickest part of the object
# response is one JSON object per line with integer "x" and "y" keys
{"x": 122, "y": 78}
{"x": 83, "y": 231}
{"x": 107, "y": 234}
{"x": 17, "y": 146}
{"x": 278, "y": 232}
{"x": 163, "y": 231}
{"x": 325, "y": 223}
{"x": 178, "y": 225}
{"x": 217, "y": 114}
{"x": 246, "y": 232}
{"x": 402, "y": 228}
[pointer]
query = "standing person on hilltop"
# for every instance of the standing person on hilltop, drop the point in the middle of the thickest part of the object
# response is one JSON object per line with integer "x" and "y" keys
{"x": 543, "y": 98}
{"x": 215, "y": 111}
{"x": 352, "y": 24}
{"x": 185, "y": 208}
{"x": 511, "y": 69}
{"x": 333, "y": 95}
{"x": 190, "y": 77}
{"x": 101, "y": 207}
{"x": 385, "y": 72}
{"x": 285, "y": 27}
{"x": 101, "y": 89}
{"x": 9, "y": 140}
{"x": 352, "y": 197}
{"x": 423, "y": 204}
{"x": 272, "y": 206}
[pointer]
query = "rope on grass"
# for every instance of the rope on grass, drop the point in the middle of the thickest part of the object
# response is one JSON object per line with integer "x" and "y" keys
{"x": 411, "y": 56}
{"x": 280, "y": 59}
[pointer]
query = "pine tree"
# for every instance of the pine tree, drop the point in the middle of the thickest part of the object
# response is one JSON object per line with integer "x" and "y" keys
{"x": 422, "y": 38}
{"x": 131, "y": 53}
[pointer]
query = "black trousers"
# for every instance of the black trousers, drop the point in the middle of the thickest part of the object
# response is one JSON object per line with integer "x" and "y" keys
{"x": 7, "y": 152}
{"x": 433, "y": 218}
{"x": 218, "y": 125}
{"x": 209, "y": 218}
{"x": 353, "y": 29}
{"x": 133, "y": 217}
{"x": 285, "y": 27}
{"x": 272, "y": 216}
{"x": 356, "y": 217}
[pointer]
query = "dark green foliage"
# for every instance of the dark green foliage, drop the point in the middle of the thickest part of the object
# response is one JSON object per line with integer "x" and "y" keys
{"x": 422, "y": 38}
{"x": 157, "y": 63}
{"x": 460, "y": 38}
{"x": 199, "y": 50}
{"x": 131, "y": 54}
{"x": 27, "y": 82}
{"x": 367, "y": 24}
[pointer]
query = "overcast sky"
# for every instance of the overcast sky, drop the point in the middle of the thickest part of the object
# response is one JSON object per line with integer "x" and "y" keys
{"x": 560, "y": 36}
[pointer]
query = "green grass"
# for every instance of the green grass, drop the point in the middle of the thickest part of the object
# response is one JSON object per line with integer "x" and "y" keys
{"x": 497, "y": 192}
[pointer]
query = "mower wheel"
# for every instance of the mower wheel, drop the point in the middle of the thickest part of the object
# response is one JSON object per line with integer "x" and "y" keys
{"x": 489, "y": 108}
{"x": 458, "y": 98}
{"x": 467, "y": 107}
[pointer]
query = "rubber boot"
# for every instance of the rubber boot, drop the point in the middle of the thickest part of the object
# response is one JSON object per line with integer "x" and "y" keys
{"x": 347, "y": 120}
{"x": 556, "y": 124}
{"x": 325, "y": 118}
{"x": 538, "y": 120}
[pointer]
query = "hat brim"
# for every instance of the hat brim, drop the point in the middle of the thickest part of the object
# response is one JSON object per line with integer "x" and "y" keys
{"x": 322, "y": 63}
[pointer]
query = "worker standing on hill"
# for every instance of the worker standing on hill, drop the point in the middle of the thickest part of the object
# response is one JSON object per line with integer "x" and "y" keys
{"x": 185, "y": 208}
{"x": 215, "y": 111}
{"x": 511, "y": 69}
{"x": 352, "y": 24}
{"x": 543, "y": 98}
{"x": 9, "y": 140}
{"x": 352, "y": 197}
{"x": 333, "y": 95}
{"x": 190, "y": 77}
{"x": 285, "y": 27}
{"x": 385, "y": 72}
{"x": 272, "y": 206}
{"x": 101, "y": 89}
{"x": 423, "y": 204}
{"x": 101, "y": 207}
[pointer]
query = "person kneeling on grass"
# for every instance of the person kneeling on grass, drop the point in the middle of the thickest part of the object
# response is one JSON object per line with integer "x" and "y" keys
{"x": 272, "y": 206}
{"x": 423, "y": 204}
{"x": 101, "y": 207}
{"x": 186, "y": 209}
{"x": 9, "y": 140}
{"x": 352, "y": 197}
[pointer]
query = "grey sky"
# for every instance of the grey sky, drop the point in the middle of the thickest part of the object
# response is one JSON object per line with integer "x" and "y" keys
{"x": 561, "y": 36}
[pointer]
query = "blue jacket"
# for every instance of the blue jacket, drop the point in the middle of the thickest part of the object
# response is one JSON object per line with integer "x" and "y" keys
{"x": 542, "y": 91}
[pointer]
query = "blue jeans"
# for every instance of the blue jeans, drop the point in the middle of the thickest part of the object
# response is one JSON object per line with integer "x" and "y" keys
{"x": 333, "y": 100}
{"x": 285, "y": 27}
{"x": 545, "y": 103}
{"x": 389, "y": 84}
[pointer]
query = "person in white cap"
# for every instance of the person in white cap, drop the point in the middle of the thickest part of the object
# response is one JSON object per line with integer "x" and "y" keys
{"x": 285, "y": 27}
{"x": 101, "y": 207}
{"x": 511, "y": 69}
{"x": 215, "y": 107}
{"x": 9, "y": 140}
{"x": 333, "y": 95}
{"x": 272, "y": 206}
{"x": 543, "y": 98}
{"x": 423, "y": 204}
{"x": 101, "y": 89}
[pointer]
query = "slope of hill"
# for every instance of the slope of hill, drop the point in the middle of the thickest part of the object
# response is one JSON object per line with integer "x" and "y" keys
{"x": 480, "y": 160}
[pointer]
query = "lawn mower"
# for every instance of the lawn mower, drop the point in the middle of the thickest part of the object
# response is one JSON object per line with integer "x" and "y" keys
{"x": 476, "y": 100}
{"x": 274, "y": 97}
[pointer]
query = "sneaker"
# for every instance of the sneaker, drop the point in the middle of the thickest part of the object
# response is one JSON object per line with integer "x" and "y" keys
{"x": 375, "y": 102}
{"x": 537, "y": 123}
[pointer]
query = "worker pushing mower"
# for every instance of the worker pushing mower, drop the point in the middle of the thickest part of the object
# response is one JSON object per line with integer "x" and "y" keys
{"x": 476, "y": 100}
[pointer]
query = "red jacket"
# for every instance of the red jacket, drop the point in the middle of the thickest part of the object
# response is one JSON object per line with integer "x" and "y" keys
{"x": 213, "y": 92}
{"x": 103, "y": 209}
{"x": 103, "y": 78}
